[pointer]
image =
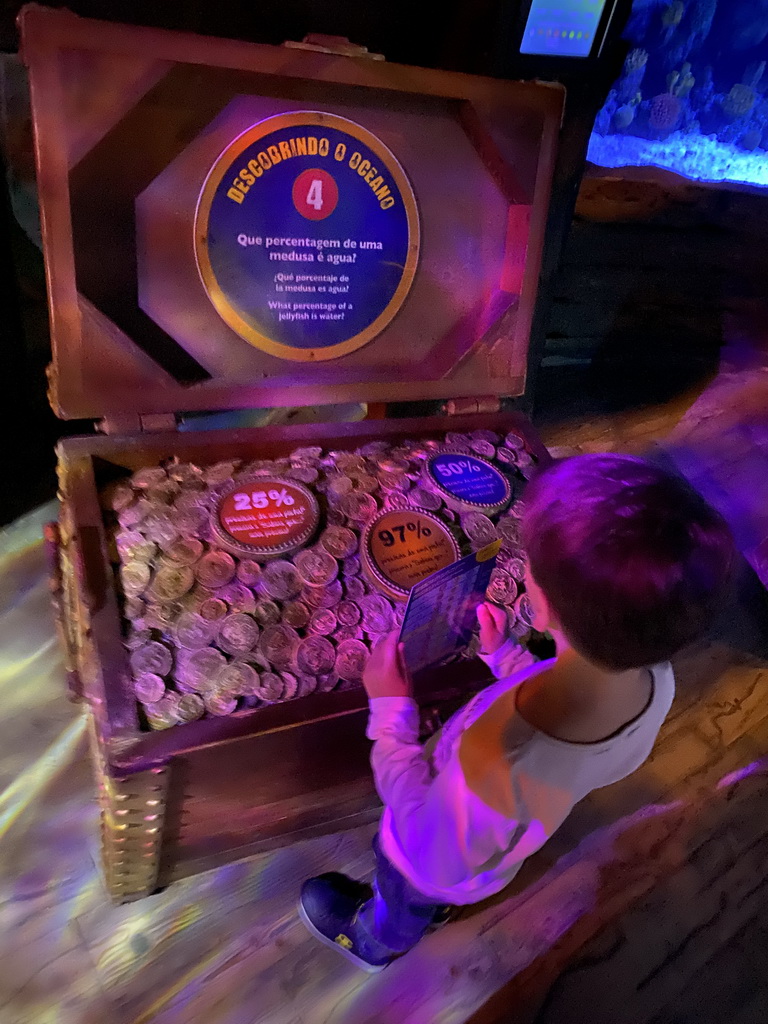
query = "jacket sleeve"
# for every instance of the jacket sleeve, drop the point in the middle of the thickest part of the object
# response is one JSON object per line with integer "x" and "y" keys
{"x": 400, "y": 768}
{"x": 510, "y": 658}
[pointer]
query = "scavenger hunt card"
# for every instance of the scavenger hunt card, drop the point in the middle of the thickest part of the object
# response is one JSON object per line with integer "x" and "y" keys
{"x": 441, "y": 613}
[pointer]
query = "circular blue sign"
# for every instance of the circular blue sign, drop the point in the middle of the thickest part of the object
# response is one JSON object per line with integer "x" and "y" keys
{"x": 469, "y": 480}
{"x": 307, "y": 236}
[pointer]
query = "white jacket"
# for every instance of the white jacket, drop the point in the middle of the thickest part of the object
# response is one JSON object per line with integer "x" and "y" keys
{"x": 448, "y": 843}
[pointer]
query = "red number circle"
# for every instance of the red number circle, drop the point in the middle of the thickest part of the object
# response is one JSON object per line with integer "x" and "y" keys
{"x": 315, "y": 194}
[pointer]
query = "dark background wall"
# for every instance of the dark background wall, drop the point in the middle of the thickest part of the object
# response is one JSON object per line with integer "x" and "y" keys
{"x": 451, "y": 34}
{"x": 651, "y": 284}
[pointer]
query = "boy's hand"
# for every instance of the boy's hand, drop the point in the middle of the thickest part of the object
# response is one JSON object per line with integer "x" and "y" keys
{"x": 385, "y": 674}
{"x": 494, "y": 627}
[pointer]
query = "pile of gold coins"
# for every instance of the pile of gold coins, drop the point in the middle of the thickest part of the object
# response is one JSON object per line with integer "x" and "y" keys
{"x": 212, "y": 627}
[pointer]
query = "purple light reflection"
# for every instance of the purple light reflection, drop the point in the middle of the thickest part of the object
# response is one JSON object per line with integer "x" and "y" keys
{"x": 761, "y": 765}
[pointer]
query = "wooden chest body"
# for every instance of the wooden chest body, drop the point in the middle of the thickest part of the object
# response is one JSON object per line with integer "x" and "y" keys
{"x": 231, "y": 786}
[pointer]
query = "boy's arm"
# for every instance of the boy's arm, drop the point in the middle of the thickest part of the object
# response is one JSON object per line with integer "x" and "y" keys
{"x": 400, "y": 769}
{"x": 508, "y": 659}
{"x": 399, "y": 765}
{"x": 434, "y": 823}
{"x": 501, "y": 653}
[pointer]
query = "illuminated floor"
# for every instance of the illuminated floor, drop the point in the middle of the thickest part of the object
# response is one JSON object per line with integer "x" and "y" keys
{"x": 646, "y": 883}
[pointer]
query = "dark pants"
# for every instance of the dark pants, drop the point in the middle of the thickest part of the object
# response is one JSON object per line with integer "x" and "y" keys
{"x": 397, "y": 916}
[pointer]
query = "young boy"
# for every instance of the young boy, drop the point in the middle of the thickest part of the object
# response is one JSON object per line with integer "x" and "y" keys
{"x": 627, "y": 564}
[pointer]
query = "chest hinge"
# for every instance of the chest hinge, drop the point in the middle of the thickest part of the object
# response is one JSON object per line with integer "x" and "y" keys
{"x": 134, "y": 423}
{"x": 466, "y": 406}
{"x": 333, "y": 44}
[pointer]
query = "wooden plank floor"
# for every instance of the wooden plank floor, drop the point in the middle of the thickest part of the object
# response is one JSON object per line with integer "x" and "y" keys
{"x": 649, "y": 905}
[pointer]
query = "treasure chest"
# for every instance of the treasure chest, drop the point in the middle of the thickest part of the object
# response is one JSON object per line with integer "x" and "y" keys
{"x": 228, "y": 228}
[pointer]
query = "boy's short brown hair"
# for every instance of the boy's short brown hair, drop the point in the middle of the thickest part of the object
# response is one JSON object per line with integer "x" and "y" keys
{"x": 632, "y": 560}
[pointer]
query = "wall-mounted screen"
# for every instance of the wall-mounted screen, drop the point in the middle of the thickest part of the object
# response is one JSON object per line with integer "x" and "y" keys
{"x": 562, "y": 28}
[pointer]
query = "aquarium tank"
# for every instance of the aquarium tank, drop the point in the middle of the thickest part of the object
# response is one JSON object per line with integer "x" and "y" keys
{"x": 692, "y": 96}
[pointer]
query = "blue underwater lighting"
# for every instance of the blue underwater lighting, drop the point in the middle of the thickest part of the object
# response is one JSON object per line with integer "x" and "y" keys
{"x": 692, "y": 96}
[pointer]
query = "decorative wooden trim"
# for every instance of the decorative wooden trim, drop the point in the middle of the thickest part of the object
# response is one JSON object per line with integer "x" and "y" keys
{"x": 132, "y": 823}
{"x": 62, "y": 611}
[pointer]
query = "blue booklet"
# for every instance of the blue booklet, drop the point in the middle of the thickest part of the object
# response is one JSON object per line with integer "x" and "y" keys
{"x": 441, "y": 616}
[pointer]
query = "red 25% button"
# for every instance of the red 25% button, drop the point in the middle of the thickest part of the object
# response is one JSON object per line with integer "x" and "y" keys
{"x": 265, "y": 516}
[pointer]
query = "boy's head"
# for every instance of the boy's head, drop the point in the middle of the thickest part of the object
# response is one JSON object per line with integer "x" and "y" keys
{"x": 631, "y": 560}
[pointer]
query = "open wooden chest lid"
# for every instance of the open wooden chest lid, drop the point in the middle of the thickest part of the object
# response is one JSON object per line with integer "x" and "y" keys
{"x": 229, "y": 225}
